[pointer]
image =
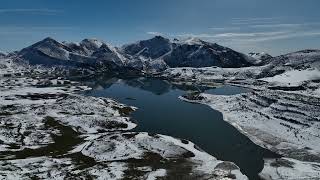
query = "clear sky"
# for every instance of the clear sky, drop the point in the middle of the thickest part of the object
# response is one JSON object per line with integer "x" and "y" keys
{"x": 273, "y": 26}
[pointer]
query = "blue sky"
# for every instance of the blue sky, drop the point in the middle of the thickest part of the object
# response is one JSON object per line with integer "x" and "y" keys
{"x": 274, "y": 26}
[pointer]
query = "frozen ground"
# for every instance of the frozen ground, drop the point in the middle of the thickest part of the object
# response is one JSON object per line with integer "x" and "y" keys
{"x": 49, "y": 131}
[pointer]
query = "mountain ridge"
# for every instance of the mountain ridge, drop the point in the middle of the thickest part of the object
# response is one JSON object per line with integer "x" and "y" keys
{"x": 155, "y": 54}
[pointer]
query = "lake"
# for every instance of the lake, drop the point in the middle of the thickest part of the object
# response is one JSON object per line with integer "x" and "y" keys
{"x": 161, "y": 111}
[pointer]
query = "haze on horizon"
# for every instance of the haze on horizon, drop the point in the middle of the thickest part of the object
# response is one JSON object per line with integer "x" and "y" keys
{"x": 272, "y": 26}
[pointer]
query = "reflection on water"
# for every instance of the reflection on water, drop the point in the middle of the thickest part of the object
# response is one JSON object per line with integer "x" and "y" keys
{"x": 161, "y": 111}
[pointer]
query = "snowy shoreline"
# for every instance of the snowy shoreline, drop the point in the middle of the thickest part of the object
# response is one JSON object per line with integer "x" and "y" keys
{"x": 275, "y": 127}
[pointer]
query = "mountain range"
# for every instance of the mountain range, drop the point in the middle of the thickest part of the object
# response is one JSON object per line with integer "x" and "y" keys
{"x": 152, "y": 55}
{"x": 158, "y": 54}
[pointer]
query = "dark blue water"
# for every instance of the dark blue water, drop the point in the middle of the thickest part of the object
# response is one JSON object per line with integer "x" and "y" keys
{"x": 161, "y": 111}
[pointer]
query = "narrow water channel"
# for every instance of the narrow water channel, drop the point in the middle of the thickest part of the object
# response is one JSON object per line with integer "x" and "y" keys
{"x": 161, "y": 111}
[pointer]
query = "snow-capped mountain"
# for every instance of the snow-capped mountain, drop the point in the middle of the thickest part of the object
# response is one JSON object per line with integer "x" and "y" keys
{"x": 155, "y": 54}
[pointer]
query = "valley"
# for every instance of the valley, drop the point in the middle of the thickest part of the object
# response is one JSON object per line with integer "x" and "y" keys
{"x": 214, "y": 112}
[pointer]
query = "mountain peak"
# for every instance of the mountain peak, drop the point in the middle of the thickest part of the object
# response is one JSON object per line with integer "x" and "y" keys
{"x": 159, "y": 37}
{"x": 48, "y": 39}
{"x": 156, "y": 39}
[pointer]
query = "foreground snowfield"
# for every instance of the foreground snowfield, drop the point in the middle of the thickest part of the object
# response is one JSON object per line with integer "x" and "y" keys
{"x": 49, "y": 131}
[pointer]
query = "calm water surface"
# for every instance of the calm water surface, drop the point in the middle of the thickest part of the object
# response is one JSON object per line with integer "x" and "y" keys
{"x": 161, "y": 111}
